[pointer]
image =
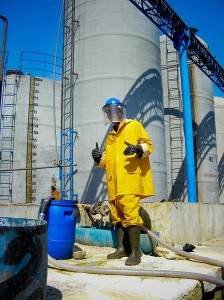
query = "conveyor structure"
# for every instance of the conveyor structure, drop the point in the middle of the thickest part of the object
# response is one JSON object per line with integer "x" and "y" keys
{"x": 164, "y": 17}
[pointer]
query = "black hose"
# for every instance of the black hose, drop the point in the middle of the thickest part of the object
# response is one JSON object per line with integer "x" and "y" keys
{"x": 43, "y": 207}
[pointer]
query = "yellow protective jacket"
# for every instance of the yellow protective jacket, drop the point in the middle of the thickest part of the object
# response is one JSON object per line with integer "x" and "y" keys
{"x": 127, "y": 174}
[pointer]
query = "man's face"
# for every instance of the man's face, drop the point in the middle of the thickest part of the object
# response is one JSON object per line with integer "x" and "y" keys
{"x": 115, "y": 115}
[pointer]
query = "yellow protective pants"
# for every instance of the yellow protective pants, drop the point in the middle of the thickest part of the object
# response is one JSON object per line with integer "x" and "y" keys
{"x": 125, "y": 210}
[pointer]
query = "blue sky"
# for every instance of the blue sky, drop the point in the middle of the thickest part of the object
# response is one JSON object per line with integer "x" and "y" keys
{"x": 33, "y": 26}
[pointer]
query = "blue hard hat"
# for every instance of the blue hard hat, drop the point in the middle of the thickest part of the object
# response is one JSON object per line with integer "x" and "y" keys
{"x": 113, "y": 101}
{"x": 114, "y": 111}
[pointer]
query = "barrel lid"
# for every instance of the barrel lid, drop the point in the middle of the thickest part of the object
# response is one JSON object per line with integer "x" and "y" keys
{"x": 14, "y": 72}
{"x": 63, "y": 203}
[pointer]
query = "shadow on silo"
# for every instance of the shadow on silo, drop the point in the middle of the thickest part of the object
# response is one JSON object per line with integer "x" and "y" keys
{"x": 178, "y": 191}
{"x": 204, "y": 141}
{"x": 205, "y": 138}
{"x": 144, "y": 102}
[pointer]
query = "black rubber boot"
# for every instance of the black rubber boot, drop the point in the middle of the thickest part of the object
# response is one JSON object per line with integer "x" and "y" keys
{"x": 123, "y": 248}
{"x": 43, "y": 208}
{"x": 134, "y": 237}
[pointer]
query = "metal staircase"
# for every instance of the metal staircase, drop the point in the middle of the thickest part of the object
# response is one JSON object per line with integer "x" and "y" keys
{"x": 7, "y": 133}
{"x": 175, "y": 119}
{"x": 69, "y": 77}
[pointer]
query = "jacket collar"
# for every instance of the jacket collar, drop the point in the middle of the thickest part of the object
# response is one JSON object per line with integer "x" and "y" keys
{"x": 122, "y": 124}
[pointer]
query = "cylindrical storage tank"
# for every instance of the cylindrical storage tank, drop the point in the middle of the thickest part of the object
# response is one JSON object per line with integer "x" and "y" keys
{"x": 23, "y": 264}
{"x": 35, "y": 102}
{"x": 117, "y": 55}
{"x": 203, "y": 124}
{"x": 202, "y": 100}
{"x": 219, "y": 113}
{"x": 61, "y": 220}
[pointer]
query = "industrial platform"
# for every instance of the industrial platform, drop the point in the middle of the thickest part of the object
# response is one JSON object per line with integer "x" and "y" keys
{"x": 83, "y": 286}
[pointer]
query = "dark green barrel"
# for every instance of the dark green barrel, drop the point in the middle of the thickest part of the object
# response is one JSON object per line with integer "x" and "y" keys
{"x": 23, "y": 258}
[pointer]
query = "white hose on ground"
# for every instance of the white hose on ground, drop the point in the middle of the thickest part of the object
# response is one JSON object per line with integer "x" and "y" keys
{"x": 135, "y": 272}
{"x": 153, "y": 273}
{"x": 207, "y": 260}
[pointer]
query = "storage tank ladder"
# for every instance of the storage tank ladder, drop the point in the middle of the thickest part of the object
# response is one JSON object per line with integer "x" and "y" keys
{"x": 175, "y": 120}
{"x": 8, "y": 114}
{"x": 68, "y": 134}
{"x": 221, "y": 176}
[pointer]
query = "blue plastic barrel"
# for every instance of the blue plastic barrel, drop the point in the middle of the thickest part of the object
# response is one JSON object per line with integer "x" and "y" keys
{"x": 23, "y": 258}
{"x": 61, "y": 228}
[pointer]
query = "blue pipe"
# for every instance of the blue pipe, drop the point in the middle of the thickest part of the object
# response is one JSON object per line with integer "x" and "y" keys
{"x": 181, "y": 43}
{"x": 71, "y": 164}
{"x": 60, "y": 168}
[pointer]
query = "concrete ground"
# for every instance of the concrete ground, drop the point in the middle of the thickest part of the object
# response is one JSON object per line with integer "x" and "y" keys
{"x": 83, "y": 286}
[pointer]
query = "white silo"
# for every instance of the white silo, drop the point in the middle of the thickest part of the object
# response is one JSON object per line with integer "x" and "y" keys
{"x": 32, "y": 136}
{"x": 203, "y": 125}
{"x": 219, "y": 113}
{"x": 117, "y": 54}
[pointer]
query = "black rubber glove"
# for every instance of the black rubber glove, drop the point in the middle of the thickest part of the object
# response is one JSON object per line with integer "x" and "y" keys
{"x": 96, "y": 154}
{"x": 131, "y": 149}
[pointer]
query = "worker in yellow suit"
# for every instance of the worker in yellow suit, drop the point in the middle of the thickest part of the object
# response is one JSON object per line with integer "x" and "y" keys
{"x": 128, "y": 177}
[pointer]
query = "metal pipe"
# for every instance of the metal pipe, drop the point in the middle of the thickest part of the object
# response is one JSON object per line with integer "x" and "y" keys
{"x": 3, "y": 53}
{"x": 71, "y": 163}
{"x": 36, "y": 168}
{"x": 181, "y": 43}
